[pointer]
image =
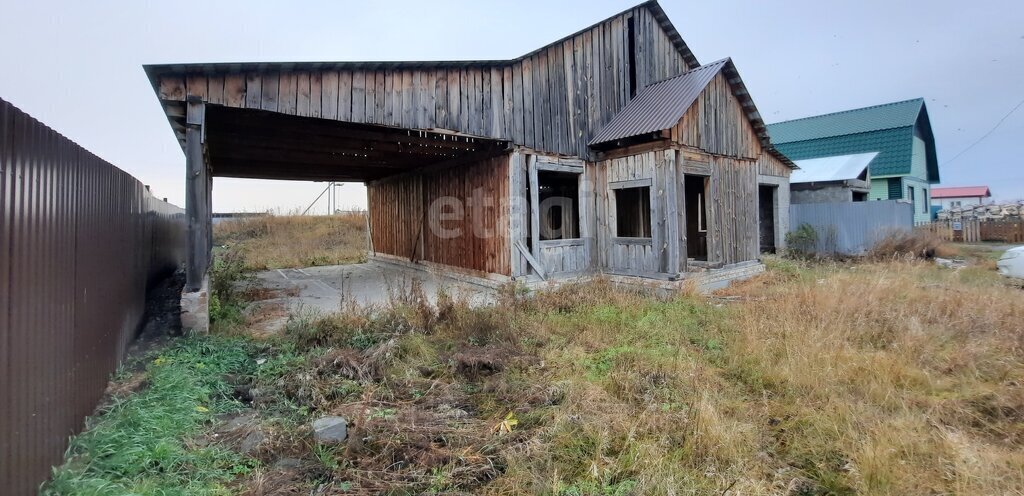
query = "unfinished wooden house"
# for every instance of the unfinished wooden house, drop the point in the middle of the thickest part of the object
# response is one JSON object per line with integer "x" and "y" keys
{"x": 610, "y": 151}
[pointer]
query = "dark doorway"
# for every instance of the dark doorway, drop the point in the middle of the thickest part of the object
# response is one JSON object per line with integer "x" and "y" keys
{"x": 859, "y": 197}
{"x": 766, "y": 217}
{"x": 559, "y": 205}
{"x": 695, "y": 196}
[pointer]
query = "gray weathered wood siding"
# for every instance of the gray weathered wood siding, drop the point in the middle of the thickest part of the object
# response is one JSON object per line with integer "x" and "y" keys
{"x": 551, "y": 100}
{"x": 713, "y": 139}
{"x": 469, "y": 230}
{"x": 717, "y": 124}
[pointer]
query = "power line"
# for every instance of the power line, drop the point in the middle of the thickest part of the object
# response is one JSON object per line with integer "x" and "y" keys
{"x": 990, "y": 131}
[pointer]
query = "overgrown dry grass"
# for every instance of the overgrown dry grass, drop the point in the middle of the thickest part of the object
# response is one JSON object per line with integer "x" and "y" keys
{"x": 889, "y": 377}
{"x": 877, "y": 378}
{"x": 288, "y": 241}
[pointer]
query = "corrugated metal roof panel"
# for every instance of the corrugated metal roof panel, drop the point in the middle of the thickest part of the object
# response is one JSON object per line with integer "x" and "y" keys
{"x": 836, "y": 168}
{"x": 862, "y": 120}
{"x": 660, "y": 105}
{"x": 894, "y": 147}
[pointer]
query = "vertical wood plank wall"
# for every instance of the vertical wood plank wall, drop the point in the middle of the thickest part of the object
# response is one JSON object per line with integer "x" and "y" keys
{"x": 401, "y": 216}
{"x": 553, "y": 99}
{"x": 715, "y": 132}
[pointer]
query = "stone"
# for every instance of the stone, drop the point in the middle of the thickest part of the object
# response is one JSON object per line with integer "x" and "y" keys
{"x": 252, "y": 442}
{"x": 330, "y": 430}
{"x": 195, "y": 309}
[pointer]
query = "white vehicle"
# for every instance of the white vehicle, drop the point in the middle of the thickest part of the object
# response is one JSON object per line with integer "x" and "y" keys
{"x": 1011, "y": 264}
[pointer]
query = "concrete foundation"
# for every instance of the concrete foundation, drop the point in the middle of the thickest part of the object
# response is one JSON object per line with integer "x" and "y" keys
{"x": 195, "y": 309}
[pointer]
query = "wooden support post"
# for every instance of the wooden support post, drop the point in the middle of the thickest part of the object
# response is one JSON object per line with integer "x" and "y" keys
{"x": 534, "y": 207}
{"x": 672, "y": 211}
{"x": 196, "y": 197}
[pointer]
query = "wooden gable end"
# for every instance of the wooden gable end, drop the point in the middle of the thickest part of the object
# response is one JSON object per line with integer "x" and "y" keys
{"x": 716, "y": 123}
{"x": 552, "y": 100}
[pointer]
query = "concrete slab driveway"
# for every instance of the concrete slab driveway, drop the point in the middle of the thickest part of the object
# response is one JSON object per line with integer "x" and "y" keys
{"x": 326, "y": 289}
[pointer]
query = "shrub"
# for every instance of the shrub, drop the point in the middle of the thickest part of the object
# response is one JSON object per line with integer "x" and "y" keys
{"x": 802, "y": 241}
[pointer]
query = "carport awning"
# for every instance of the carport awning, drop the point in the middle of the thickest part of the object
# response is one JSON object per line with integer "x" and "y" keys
{"x": 269, "y": 145}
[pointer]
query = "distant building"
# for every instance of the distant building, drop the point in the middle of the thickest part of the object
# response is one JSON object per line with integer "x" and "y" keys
{"x": 843, "y": 178}
{"x": 959, "y": 196}
{"x": 906, "y": 164}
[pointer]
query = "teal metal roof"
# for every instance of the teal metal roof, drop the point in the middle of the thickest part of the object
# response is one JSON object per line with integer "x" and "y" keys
{"x": 887, "y": 129}
{"x": 862, "y": 120}
{"x": 894, "y": 147}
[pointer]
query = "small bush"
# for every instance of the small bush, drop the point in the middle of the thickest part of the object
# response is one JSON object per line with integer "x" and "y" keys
{"x": 802, "y": 241}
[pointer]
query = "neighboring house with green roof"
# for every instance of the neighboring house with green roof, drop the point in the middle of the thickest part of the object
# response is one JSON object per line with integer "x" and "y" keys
{"x": 906, "y": 165}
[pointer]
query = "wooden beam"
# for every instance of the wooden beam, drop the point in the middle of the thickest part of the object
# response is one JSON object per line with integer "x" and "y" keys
{"x": 534, "y": 205}
{"x": 196, "y": 192}
{"x": 537, "y": 267}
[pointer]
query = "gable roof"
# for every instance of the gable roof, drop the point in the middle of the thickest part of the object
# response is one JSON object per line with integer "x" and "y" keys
{"x": 663, "y": 104}
{"x": 155, "y": 71}
{"x": 826, "y": 169}
{"x": 961, "y": 192}
{"x": 889, "y": 129}
{"x": 862, "y": 120}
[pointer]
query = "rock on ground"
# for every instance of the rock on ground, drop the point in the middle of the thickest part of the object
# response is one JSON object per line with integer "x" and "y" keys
{"x": 330, "y": 430}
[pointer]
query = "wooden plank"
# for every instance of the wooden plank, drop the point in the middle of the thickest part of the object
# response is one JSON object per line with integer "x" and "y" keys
{"x": 427, "y": 101}
{"x": 380, "y": 94}
{"x": 315, "y": 93}
{"x": 358, "y": 103}
{"x": 497, "y": 104}
{"x": 234, "y": 90}
{"x": 195, "y": 196}
{"x": 329, "y": 95}
{"x": 454, "y": 92}
{"x": 345, "y": 96}
{"x": 542, "y": 103}
{"x": 516, "y": 111}
{"x": 302, "y": 99}
{"x": 486, "y": 105}
{"x": 271, "y": 83}
{"x": 528, "y": 103}
{"x": 197, "y": 86}
{"x": 172, "y": 88}
{"x": 215, "y": 89}
{"x": 287, "y": 93}
{"x": 441, "y": 99}
{"x": 537, "y": 266}
{"x": 253, "y": 91}
{"x": 408, "y": 119}
{"x": 534, "y": 205}
{"x": 392, "y": 98}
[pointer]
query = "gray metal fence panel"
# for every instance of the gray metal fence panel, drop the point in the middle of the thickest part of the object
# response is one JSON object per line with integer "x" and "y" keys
{"x": 852, "y": 228}
{"x": 80, "y": 242}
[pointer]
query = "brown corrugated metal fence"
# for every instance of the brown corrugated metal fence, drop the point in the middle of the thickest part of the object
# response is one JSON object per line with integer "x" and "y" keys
{"x": 80, "y": 241}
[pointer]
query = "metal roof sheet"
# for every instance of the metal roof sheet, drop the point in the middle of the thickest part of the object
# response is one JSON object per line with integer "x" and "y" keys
{"x": 660, "y": 105}
{"x": 836, "y": 168}
{"x": 894, "y": 147}
{"x": 862, "y": 120}
{"x": 663, "y": 104}
{"x": 961, "y": 192}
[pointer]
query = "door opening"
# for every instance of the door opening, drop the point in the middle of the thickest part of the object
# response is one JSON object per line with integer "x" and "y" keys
{"x": 766, "y": 217}
{"x": 695, "y": 198}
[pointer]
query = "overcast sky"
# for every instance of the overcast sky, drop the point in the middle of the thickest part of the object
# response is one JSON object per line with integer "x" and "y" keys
{"x": 77, "y": 66}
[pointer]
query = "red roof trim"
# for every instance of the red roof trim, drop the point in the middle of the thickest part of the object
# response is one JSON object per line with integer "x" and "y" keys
{"x": 961, "y": 192}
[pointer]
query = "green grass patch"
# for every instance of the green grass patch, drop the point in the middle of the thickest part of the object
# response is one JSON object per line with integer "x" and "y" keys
{"x": 141, "y": 444}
